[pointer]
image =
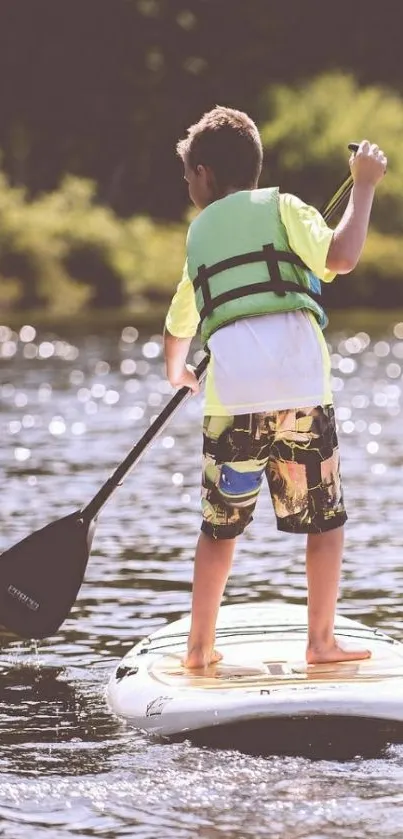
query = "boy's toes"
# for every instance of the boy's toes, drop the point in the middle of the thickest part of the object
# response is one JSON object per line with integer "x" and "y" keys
{"x": 198, "y": 658}
{"x": 326, "y": 655}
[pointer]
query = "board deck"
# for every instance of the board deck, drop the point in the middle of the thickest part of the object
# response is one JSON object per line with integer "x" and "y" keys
{"x": 262, "y": 676}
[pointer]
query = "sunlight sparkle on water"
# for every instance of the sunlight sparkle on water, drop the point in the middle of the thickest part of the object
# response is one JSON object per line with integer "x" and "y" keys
{"x": 380, "y": 399}
{"x": 83, "y": 394}
{"x": 381, "y": 349}
{"x": 337, "y": 384}
{"x": 348, "y": 427}
{"x": 129, "y": 334}
{"x": 111, "y": 397}
{"x": 177, "y": 479}
{"x": 151, "y": 350}
{"x": 98, "y": 390}
{"x": 28, "y": 421}
{"x": 14, "y": 426}
{"x": 21, "y": 400}
{"x": 360, "y": 426}
{"x": 8, "y": 349}
{"x": 347, "y": 365}
{"x": 78, "y": 428}
{"x": 57, "y": 426}
{"x": 378, "y": 468}
{"x": 343, "y": 413}
{"x": 393, "y": 370}
{"x": 45, "y": 349}
{"x": 27, "y": 333}
{"x": 102, "y": 368}
{"x": 136, "y": 413}
{"x": 128, "y": 367}
{"x": 21, "y": 453}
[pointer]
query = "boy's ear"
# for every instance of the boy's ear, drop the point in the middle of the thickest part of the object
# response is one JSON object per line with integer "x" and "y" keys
{"x": 207, "y": 172}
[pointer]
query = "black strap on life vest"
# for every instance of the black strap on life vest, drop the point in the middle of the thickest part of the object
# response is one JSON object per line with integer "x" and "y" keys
{"x": 274, "y": 283}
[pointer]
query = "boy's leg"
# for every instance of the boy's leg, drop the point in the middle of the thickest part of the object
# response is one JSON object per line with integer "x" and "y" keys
{"x": 323, "y": 565}
{"x": 232, "y": 477}
{"x": 213, "y": 562}
{"x": 305, "y": 484}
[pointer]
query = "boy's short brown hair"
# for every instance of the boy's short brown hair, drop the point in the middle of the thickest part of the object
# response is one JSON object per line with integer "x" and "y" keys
{"x": 227, "y": 141}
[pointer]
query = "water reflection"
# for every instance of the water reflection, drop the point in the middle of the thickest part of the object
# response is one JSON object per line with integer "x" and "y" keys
{"x": 49, "y": 725}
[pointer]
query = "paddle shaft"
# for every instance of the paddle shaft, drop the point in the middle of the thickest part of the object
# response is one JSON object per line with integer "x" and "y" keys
{"x": 95, "y": 505}
{"x": 98, "y": 502}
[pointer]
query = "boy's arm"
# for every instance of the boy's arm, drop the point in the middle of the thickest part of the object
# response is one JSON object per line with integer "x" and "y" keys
{"x": 176, "y": 352}
{"x": 368, "y": 167}
{"x": 180, "y": 326}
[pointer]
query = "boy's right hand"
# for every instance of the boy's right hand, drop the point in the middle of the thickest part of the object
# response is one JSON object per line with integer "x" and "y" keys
{"x": 186, "y": 378}
{"x": 368, "y": 164}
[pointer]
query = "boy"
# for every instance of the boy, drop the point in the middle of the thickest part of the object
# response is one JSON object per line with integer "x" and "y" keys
{"x": 253, "y": 256}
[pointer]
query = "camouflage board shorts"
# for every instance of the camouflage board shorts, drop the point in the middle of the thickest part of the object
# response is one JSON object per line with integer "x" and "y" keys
{"x": 297, "y": 451}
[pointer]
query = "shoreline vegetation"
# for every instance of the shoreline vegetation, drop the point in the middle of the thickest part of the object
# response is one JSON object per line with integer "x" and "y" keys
{"x": 353, "y": 320}
{"x": 67, "y": 254}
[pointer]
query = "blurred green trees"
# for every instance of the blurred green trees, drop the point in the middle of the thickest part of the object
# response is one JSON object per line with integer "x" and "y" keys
{"x": 66, "y": 250}
{"x": 103, "y": 90}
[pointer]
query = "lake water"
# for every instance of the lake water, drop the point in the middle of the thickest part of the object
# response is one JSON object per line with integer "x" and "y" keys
{"x": 71, "y": 407}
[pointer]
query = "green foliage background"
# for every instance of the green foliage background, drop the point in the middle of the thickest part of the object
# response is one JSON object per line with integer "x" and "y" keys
{"x": 93, "y": 208}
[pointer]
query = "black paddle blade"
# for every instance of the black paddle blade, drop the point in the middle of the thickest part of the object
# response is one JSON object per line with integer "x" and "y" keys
{"x": 41, "y": 575}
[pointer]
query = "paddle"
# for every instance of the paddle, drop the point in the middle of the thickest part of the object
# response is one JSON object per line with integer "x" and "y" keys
{"x": 41, "y": 575}
{"x": 330, "y": 208}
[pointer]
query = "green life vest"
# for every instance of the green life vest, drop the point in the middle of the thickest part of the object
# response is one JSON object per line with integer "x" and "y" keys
{"x": 241, "y": 264}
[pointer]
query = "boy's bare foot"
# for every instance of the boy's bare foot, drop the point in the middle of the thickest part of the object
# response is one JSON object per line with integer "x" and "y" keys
{"x": 317, "y": 654}
{"x": 200, "y": 657}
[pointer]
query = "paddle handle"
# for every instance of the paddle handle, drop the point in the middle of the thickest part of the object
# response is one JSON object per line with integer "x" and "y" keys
{"x": 341, "y": 193}
{"x": 95, "y": 505}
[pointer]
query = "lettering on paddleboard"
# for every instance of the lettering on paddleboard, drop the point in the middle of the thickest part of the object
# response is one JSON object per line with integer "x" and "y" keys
{"x": 156, "y": 707}
{"x": 23, "y": 598}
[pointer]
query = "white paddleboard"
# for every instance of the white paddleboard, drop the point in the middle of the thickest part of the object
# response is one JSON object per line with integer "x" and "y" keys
{"x": 263, "y": 676}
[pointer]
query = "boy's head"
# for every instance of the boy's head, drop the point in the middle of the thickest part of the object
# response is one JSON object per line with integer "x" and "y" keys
{"x": 222, "y": 153}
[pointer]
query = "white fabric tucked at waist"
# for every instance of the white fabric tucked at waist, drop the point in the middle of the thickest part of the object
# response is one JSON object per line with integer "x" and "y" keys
{"x": 266, "y": 363}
